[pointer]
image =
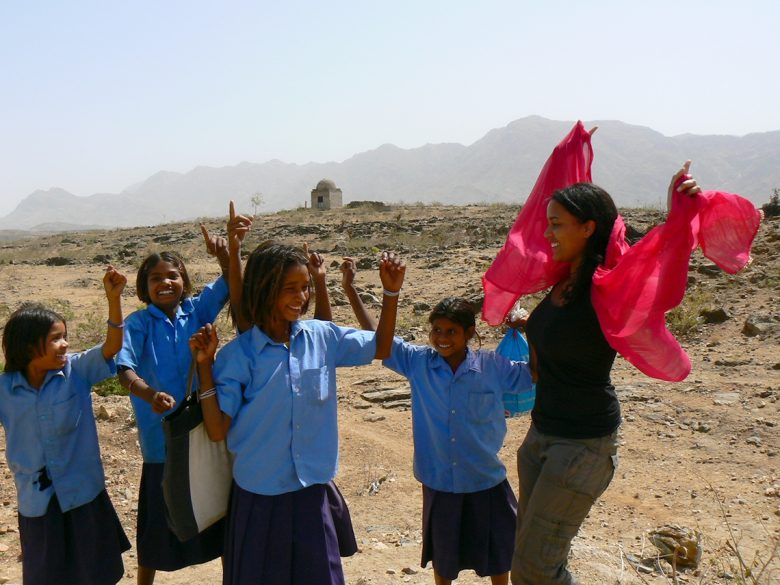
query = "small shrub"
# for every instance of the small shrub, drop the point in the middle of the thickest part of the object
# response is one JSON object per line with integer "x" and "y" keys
{"x": 110, "y": 387}
{"x": 772, "y": 209}
{"x": 686, "y": 319}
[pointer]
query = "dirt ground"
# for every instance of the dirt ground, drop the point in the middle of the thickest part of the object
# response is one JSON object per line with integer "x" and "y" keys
{"x": 702, "y": 453}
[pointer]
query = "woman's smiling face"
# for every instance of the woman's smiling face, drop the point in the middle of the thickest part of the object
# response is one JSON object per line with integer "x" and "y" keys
{"x": 567, "y": 235}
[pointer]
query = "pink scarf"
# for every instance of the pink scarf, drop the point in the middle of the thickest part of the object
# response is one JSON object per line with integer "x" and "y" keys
{"x": 636, "y": 286}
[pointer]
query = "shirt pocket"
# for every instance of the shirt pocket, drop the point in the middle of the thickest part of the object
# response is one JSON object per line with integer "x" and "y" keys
{"x": 315, "y": 384}
{"x": 66, "y": 415}
{"x": 481, "y": 406}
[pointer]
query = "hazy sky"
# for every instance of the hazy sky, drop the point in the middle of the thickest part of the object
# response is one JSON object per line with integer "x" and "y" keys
{"x": 97, "y": 95}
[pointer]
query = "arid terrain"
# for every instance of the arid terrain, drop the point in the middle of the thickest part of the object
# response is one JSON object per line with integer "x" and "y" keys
{"x": 702, "y": 454}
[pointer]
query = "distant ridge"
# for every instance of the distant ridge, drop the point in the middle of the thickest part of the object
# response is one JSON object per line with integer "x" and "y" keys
{"x": 633, "y": 163}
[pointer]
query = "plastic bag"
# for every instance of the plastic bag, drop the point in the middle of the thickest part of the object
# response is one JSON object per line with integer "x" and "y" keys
{"x": 514, "y": 347}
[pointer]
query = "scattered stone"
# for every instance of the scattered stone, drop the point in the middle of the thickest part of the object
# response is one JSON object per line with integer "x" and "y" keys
{"x": 722, "y": 398}
{"x": 759, "y": 325}
{"x": 753, "y": 441}
{"x": 373, "y": 418}
{"x": 59, "y": 261}
{"x": 367, "y": 297}
{"x": 388, "y": 394}
{"x": 679, "y": 546}
{"x": 421, "y": 307}
{"x": 733, "y": 362}
{"x": 719, "y": 315}
{"x": 103, "y": 414}
{"x": 409, "y": 571}
{"x": 397, "y": 404}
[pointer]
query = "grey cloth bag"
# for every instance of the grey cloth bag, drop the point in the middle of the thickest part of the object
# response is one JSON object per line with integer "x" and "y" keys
{"x": 198, "y": 472}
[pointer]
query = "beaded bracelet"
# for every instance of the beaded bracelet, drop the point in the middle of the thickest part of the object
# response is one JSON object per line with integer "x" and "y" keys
{"x": 113, "y": 325}
{"x": 390, "y": 293}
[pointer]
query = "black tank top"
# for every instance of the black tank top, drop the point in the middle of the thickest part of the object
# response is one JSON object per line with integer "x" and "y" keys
{"x": 575, "y": 397}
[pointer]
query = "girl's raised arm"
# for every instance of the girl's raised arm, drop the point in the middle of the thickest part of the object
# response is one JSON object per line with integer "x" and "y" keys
{"x": 217, "y": 246}
{"x": 348, "y": 272}
{"x": 391, "y": 270}
{"x": 203, "y": 345}
{"x": 318, "y": 273}
{"x": 114, "y": 283}
{"x": 237, "y": 228}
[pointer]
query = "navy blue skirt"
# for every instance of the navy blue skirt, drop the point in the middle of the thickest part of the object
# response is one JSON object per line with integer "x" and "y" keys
{"x": 469, "y": 531}
{"x": 158, "y": 547}
{"x": 288, "y": 539}
{"x": 82, "y": 546}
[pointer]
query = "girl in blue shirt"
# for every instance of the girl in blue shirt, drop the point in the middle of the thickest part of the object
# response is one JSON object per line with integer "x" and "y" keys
{"x": 275, "y": 401}
{"x": 69, "y": 531}
{"x": 153, "y": 366}
{"x": 469, "y": 509}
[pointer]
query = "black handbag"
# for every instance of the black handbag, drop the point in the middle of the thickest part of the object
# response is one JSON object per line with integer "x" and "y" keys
{"x": 198, "y": 472}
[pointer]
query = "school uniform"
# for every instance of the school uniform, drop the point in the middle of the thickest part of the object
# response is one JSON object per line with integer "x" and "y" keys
{"x": 458, "y": 425}
{"x": 157, "y": 349}
{"x": 284, "y": 438}
{"x": 69, "y": 531}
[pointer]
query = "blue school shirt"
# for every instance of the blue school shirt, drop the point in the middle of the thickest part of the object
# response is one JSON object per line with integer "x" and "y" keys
{"x": 51, "y": 442}
{"x": 284, "y": 432}
{"x": 458, "y": 418}
{"x": 158, "y": 350}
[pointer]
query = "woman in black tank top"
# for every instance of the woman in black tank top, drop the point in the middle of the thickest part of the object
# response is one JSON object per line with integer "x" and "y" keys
{"x": 569, "y": 455}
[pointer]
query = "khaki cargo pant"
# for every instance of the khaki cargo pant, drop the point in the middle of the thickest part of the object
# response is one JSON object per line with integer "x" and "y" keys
{"x": 560, "y": 479}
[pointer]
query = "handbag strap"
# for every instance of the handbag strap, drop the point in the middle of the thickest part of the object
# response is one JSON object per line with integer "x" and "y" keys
{"x": 190, "y": 380}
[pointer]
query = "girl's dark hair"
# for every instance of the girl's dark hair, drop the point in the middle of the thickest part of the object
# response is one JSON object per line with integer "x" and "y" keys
{"x": 263, "y": 279}
{"x": 586, "y": 202}
{"x": 152, "y": 260}
{"x": 25, "y": 333}
{"x": 458, "y": 310}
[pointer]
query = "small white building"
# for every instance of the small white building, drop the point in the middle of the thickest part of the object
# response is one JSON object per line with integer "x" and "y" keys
{"x": 326, "y": 195}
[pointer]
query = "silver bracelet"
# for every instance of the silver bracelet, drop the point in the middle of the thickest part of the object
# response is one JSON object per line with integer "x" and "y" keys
{"x": 390, "y": 293}
{"x": 207, "y": 393}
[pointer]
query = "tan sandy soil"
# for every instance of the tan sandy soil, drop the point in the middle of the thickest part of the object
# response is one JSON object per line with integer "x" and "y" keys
{"x": 702, "y": 453}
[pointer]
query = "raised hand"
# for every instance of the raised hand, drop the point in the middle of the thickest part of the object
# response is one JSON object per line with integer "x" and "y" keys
{"x": 114, "y": 282}
{"x": 216, "y": 246}
{"x": 237, "y": 227}
{"x": 688, "y": 186}
{"x": 316, "y": 266}
{"x": 348, "y": 272}
{"x": 203, "y": 344}
{"x": 391, "y": 271}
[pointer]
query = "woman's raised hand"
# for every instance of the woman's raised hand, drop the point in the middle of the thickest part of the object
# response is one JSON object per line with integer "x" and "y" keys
{"x": 688, "y": 185}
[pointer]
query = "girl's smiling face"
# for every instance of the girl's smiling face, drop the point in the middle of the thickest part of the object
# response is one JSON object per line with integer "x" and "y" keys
{"x": 293, "y": 295}
{"x": 450, "y": 339}
{"x": 166, "y": 287}
{"x": 55, "y": 348}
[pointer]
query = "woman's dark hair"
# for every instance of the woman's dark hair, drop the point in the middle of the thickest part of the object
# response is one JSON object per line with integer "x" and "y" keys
{"x": 152, "y": 260}
{"x": 25, "y": 333}
{"x": 458, "y": 310}
{"x": 586, "y": 202}
{"x": 263, "y": 279}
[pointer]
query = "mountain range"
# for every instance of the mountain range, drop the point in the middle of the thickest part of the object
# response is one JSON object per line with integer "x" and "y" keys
{"x": 633, "y": 163}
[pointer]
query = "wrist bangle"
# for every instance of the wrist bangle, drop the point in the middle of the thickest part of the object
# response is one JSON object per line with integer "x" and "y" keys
{"x": 113, "y": 325}
{"x": 207, "y": 393}
{"x": 130, "y": 385}
{"x": 390, "y": 293}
